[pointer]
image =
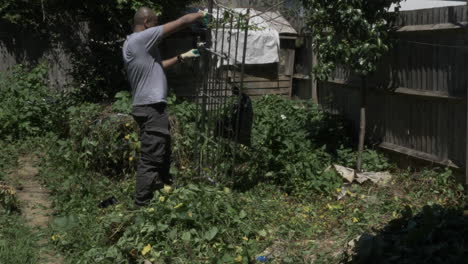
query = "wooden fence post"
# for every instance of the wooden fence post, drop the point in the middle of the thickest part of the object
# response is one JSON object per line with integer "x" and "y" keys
{"x": 362, "y": 126}
{"x": 313, "y": 79}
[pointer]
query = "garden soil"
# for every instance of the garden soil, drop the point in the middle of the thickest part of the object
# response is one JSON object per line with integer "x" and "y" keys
{"x": 36, "y": 207}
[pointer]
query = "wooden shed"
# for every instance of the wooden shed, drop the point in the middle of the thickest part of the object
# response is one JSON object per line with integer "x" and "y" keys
{"x": 274, "y": 78}
{"x": 260, "y": 79}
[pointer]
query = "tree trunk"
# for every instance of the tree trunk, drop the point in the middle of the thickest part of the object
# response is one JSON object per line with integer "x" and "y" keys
{"x": 362, "y": 127}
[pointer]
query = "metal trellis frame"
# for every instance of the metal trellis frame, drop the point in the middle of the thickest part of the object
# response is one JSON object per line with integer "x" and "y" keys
{"x": 219, "y": 93}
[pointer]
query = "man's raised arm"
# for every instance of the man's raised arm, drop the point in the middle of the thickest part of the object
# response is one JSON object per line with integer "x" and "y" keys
{"x": 182, "y": 22}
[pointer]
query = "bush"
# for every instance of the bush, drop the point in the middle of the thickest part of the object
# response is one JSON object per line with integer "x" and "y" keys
{"x": 28, "y": 108}
{"x": 106, "y": 142}
{"x": 293, "y": 143}
{"x": 123, "y": 103}
{"x": 285, "y": 147}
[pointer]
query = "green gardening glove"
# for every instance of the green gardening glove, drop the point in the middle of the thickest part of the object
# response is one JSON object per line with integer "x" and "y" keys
{"x": 206, "y": 18}
{"x": 190, "y": 54}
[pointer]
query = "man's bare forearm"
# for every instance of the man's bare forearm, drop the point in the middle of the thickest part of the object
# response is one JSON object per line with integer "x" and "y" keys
{"x": 181, "y": 23}
{"x": 169, "y": 62}
{"x": 191, "y": 18}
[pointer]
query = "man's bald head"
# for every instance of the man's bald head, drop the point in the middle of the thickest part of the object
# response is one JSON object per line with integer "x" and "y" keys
{"x": 144, "y": 18}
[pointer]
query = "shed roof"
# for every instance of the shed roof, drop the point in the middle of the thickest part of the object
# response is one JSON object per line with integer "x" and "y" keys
{"x": 425, "y": 4}
{"x": 278, "y": 23}
{"x": 272, "y": 20}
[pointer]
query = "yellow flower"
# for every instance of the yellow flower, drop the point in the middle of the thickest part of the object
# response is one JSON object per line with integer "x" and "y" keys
{"x": 355, "y": 220}
{"x": 127, "y": 124}
{"x": 146, "y": 249}
{"x": 162, "y": 199}
{"x": 178, "y": 206}
{"x": 150, "y": 210}
{"x": 338, "y": 189}
{"x": 127, "y": 137}
{"x": 130, "y": 158}
{"x": 55, "y": 237}
{"x": 245, "y": 238}
{"x": 190, "y": 214}
{"x": 238, "y": 259}
{"x": 167, "y": 189}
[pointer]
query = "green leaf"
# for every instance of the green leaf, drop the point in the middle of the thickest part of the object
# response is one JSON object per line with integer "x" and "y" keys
{"x": 211, "y": 233}
{"x": 186, "y": 236}
{"x": 242, "y": 214}
{"x": 162, "y": 227}
{"x": 262, "y": 233}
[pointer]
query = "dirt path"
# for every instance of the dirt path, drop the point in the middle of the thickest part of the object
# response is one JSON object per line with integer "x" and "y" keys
{"x": 36, "y": 206}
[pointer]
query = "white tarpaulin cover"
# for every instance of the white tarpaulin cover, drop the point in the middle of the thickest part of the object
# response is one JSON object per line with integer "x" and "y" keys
{"x": 263, "y": 42}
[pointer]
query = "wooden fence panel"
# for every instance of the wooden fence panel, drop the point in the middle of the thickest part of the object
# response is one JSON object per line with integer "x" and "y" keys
{"x": 417, "y": 100}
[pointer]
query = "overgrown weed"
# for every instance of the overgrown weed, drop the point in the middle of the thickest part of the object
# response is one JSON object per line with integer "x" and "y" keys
{"x": 283, "y": 204}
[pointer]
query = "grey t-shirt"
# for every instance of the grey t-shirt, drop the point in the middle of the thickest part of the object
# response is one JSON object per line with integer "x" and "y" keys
{"x": 144, "y": 66}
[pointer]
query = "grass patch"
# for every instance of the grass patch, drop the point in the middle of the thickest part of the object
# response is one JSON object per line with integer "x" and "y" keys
{"x": 17, "y": 241}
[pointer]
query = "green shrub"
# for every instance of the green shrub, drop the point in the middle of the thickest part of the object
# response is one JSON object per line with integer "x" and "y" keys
{"x": 285, "y": 147}
{"x": 29, "y": 108}
{"x": 293, "y": 143}
{"x": 123, "y": 103}
{"x": 106, "y": 142}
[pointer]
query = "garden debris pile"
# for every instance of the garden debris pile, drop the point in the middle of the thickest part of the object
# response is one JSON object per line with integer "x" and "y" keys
{"x": 351, "y": 175}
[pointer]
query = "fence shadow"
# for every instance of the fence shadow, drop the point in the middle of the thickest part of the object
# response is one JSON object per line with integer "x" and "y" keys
{"x": 436, "y": 235}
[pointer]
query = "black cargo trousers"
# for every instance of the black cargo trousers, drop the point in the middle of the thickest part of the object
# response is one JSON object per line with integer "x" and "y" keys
{"x": 155, "y": 155}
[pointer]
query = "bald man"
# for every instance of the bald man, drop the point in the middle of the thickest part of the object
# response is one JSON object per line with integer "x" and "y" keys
{"x": 145, "y": 70}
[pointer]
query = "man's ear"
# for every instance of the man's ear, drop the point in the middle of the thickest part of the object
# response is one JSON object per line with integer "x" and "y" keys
{"x": 145, "y": 22}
